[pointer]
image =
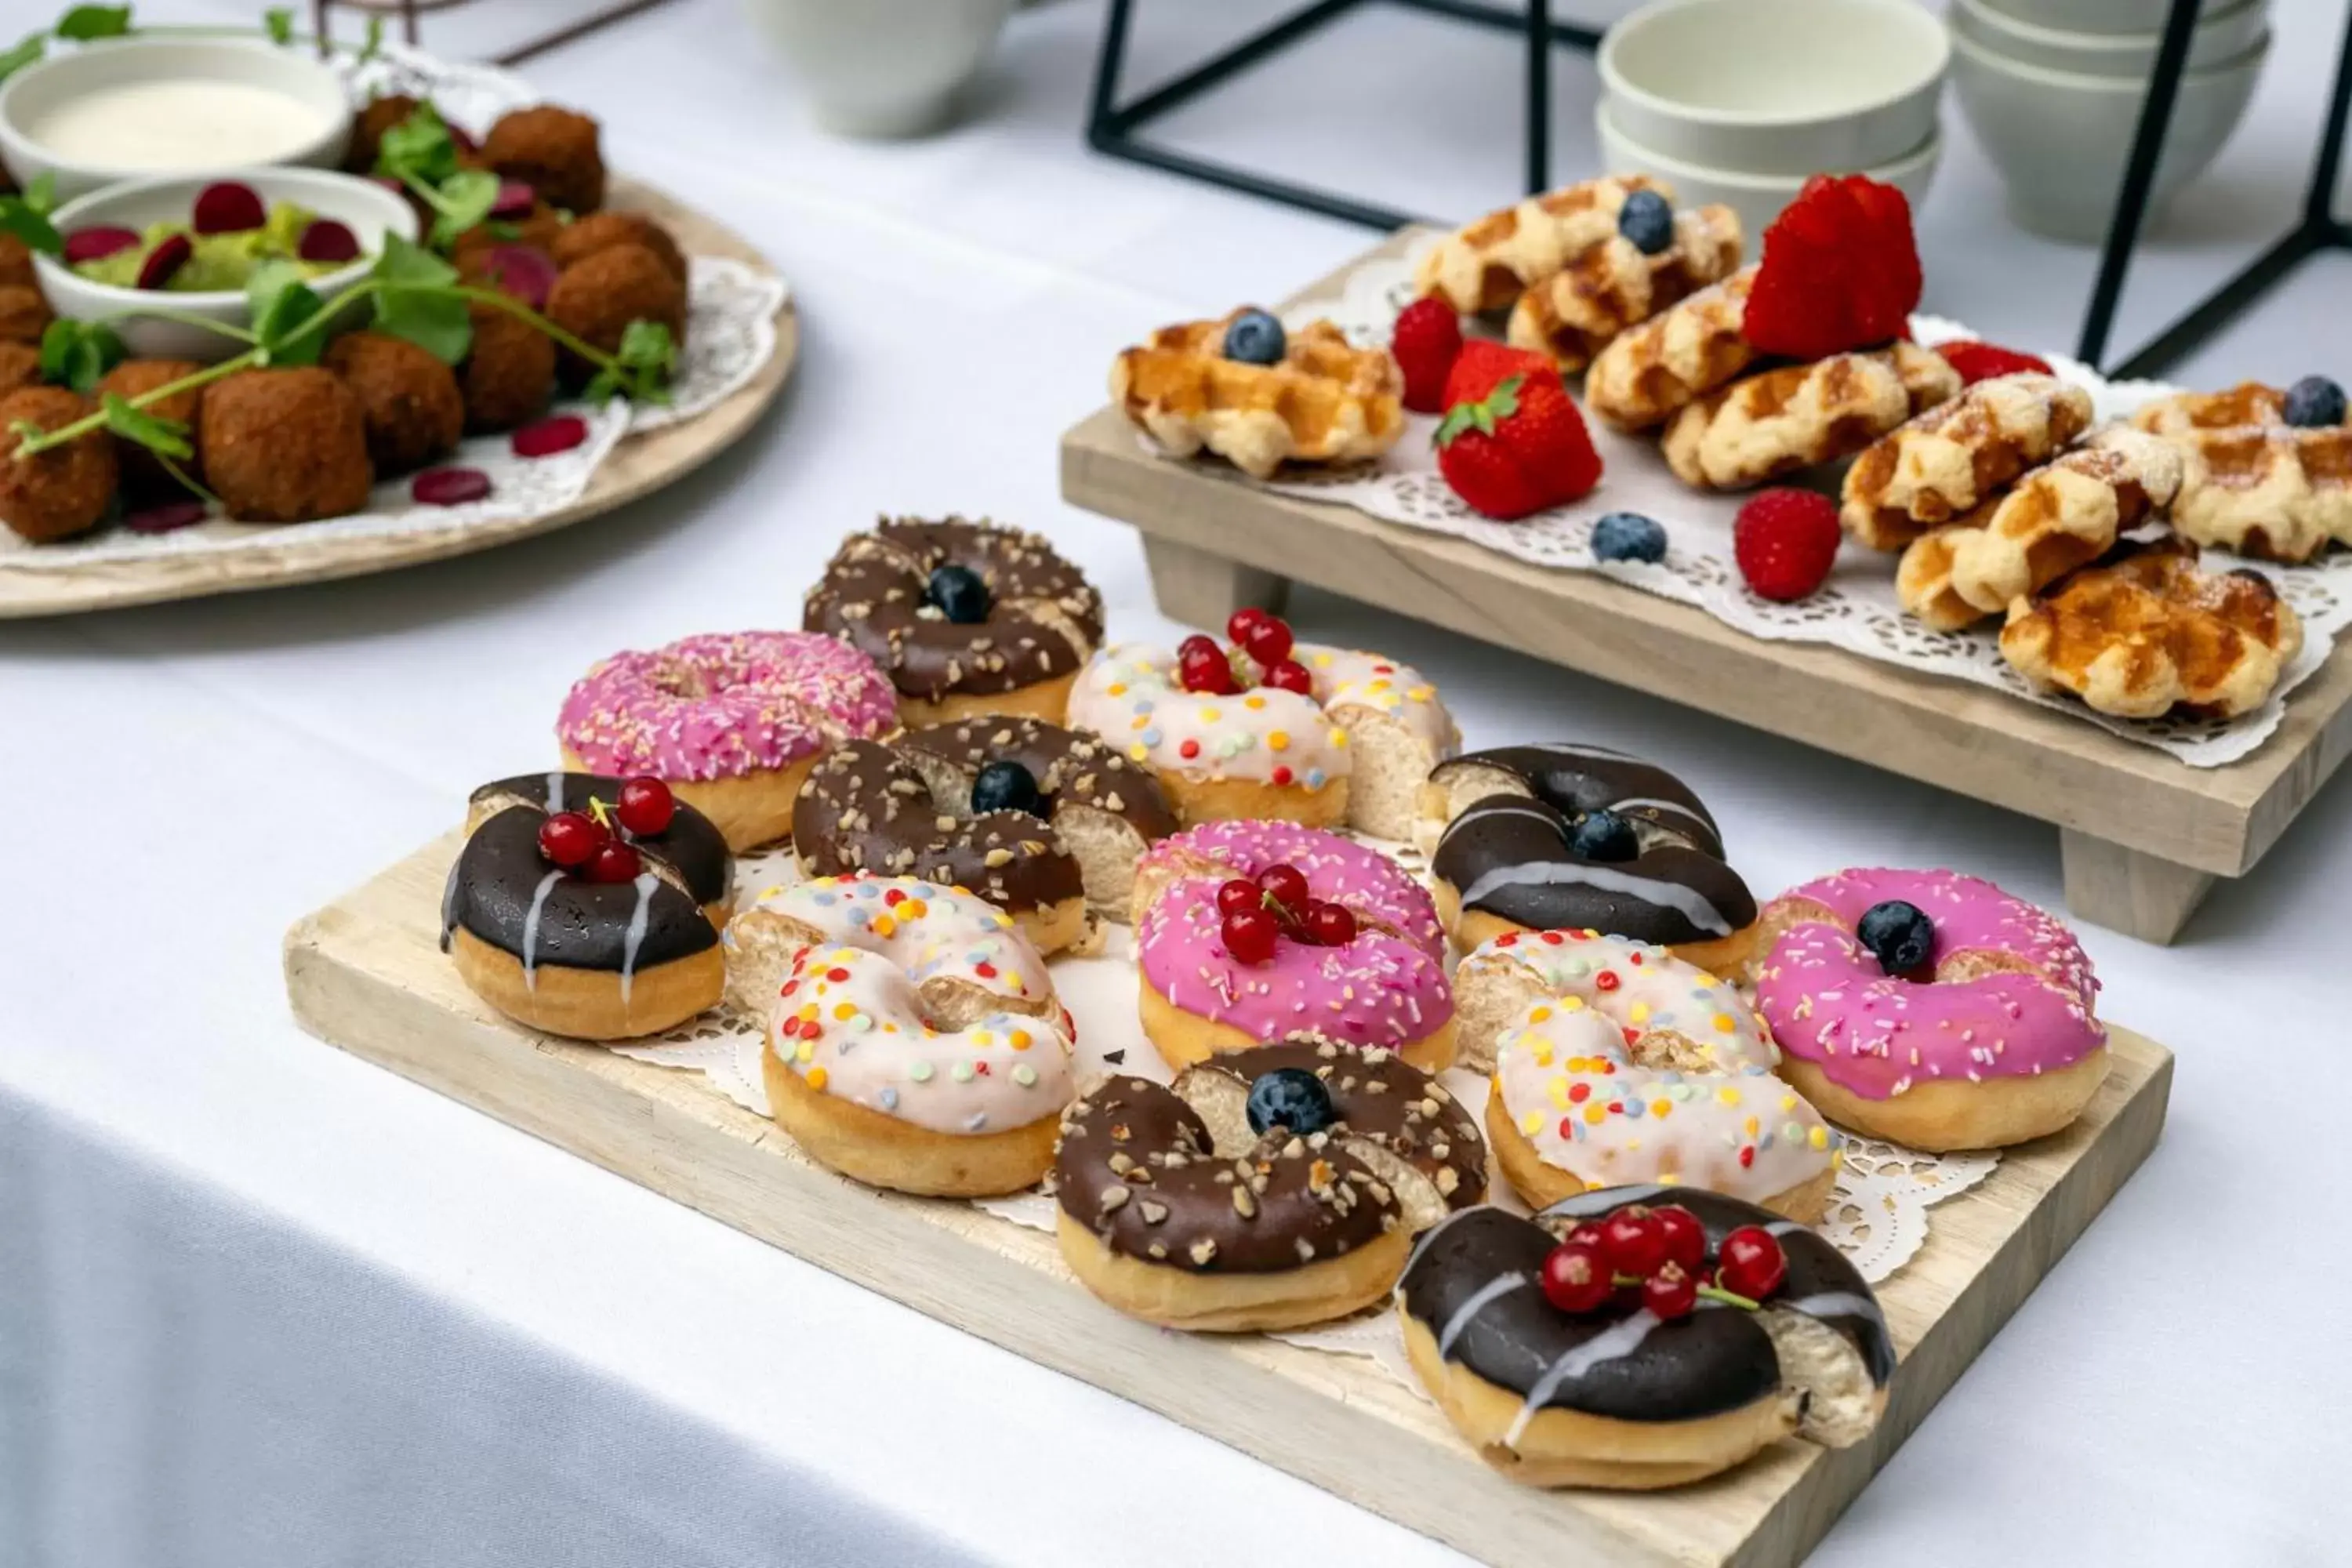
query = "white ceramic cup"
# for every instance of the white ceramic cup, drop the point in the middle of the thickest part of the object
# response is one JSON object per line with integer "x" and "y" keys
{"x": 1756, "y": 198}
{"x": 881, "y": 67}
{"x": 2098, "y": 16}
{"x": 2222, "y": 36}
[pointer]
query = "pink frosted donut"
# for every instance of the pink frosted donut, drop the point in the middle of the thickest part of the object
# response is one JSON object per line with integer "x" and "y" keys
{"x": 2000, "y": 1043}
{"x": 1386, "y": 988}
{"x": 731, "y": 721}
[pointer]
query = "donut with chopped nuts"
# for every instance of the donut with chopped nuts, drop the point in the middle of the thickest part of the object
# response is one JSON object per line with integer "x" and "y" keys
{"x": 966, "y": 618}
{"x": 1268, "y": 1193}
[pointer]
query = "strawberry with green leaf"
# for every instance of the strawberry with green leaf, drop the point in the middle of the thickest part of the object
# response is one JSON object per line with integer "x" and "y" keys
{"x": 1512, "y": 442}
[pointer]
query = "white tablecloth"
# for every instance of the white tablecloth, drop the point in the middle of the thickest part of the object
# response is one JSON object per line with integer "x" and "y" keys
{"x": 264, "y": 1304}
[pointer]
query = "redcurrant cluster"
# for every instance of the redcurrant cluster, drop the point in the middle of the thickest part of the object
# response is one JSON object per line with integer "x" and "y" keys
{"x": 1658, "y": 1256}
{"x": 1260, "y": 657}
{"x": 586, "y": 842}
{"x": 1256, "y": 915}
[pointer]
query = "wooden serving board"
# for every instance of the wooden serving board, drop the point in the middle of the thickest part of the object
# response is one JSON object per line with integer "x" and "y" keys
{"x": 637, "y": 465}
{"x": 2142, "y": 836}
{"x": 365, "y": 974}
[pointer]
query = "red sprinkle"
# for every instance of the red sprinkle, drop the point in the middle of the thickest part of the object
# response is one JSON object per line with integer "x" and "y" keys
{"x": 448, "y": 487}
{"x": 1554, "y": 938}
{"x": 1281, "y": 776}
{"x": 1579, "y": 1092}
{"x": 1748, "y": 1155}
{"x": 985, "y": 971}
{"x": 545, "y": 437}
{"x": 1190, "y": 748}
{"x": 836, "y": 975}
{"x": 1607, "y": 980}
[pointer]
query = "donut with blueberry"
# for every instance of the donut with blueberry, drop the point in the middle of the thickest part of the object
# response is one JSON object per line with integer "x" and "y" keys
{"x": 966, "y": 618}
{"x": 1264, "y": 1192}
{"x": 588, "y": 906}
{"x": 1641, "y": 1337}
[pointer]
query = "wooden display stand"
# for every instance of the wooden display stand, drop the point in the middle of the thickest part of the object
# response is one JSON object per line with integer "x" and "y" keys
{"x": 2142, "y": 836}
{"x": 365, "y": 974}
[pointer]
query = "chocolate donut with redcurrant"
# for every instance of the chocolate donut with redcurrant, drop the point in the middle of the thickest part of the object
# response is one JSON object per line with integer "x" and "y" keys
{"x": 966, "y": 618}
{"x": 1642, "y": 1337}
{"x": 588, "y": 906}
{"x": 1260, "y": 1193}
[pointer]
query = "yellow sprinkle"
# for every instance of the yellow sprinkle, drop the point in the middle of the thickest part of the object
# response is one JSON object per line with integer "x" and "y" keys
{"x": 1421, "y": 694}
{"x": 1558, "y": 1090}
{"x": 1706, "y": 979}
{"x": 884, "y": 926}
{"x": 1594, "y": 1115}
{"x": 816, "y": 1076}
{"x": 1143, "y": 722}
{"x": 916, "y": 909}
{"x": 1639, "y": 1013}
{"x": 1723, "y": 1021}
{"x": 1322, "y": 661}
{"x": 1578, "y": 1064}
{"x": 1728, "y": 1095}
{"x": 845, "y": 1009}
{"x": 983, "y": 1038}
{"x": 1140, "y": 753}
{"x": 1208, "y": 715}
{"x": 1338, "y": 739}
{"x": 1787, "y": 1102}
{"x": 1380, "y": 685}
{"x": 1660, "y": 1107}
{"x": 1572, "y": 1003}
{"x": 1538, "y": 1015}
{"x": 1749, "y": 1127}
{"x": 1543, "y": 1056}
{"x": 1012, "y": 978}
{"x": 1531, "y": 1123}
{"x": 1019, "y": 1039}
{"x": 808, "y": 1049}
{"x": 1819, "y": 1137}
{"x": 1279, "y": 740}
{"x": 1253, "y": 703}
{"x": 1116, "y": 689}
{"x": 1670, "y": 1178}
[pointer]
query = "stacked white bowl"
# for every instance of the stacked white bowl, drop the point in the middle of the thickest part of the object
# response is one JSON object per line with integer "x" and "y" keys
{"x": 1740, "y": 102}
{"x": 2053, "y": 90}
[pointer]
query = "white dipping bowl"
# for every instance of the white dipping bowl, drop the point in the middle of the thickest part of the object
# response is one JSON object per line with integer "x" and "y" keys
{"x": 881, "y": 67}
{"x": 369, "y": 209}
{"x": 1756, "y": 198}
{"x": 1776, "y": 87}
{"x": 2061, "y": 139}
{"x": 40, "y": 90}
{"x": 2098, "y": 16}
{"x": 2221, "y": 37}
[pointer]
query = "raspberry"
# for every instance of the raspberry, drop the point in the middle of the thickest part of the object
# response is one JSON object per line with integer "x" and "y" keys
{"x": 1786, "y": 541}
{"x": 1841, "y": 271}
{"x": 1982, "y": 362}
{"x": 1427, "y": 339}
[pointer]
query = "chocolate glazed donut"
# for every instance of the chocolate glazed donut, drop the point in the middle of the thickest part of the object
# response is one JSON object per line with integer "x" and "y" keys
{"x": 1570, "y": 837}
{"x": 966, "y": 618}
{"x": 1616, "y": 1396}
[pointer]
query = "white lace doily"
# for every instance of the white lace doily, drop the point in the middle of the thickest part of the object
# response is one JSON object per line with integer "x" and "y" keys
{"x": 1855, "y": 610}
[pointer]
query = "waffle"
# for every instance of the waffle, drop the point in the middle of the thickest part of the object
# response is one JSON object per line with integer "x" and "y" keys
{"x": 1954, "y": 457}
{"x": 2059, "y": 516}
{"x": 2248, "y": 403}
{"x": 1574, "y": 313}
{"x": 2148, "y": 633}
{"x": 1799, "y": 415}
{"x": 1649, "y": 372}
{"x": 2275, "y": 492}
{"x": 1484, "y": 266}
{"x": 1327, "y": 401}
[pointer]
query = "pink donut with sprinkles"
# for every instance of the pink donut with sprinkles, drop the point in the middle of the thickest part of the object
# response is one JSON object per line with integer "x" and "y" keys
{"x": 1930, "y": 1009}
{"x": 1384, "y": 986}
{"x": 731, "y": 722}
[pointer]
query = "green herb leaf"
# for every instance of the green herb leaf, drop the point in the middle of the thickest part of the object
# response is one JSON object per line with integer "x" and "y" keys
{"x": 78, "y": 353}
{"x": 278, "y": 22}
{"x": 41, "y": 196}
{"x": 641, "y": 370}
{"x": 419, "y": 148}
{"x": 20, "y": 218}
{"x": 374, "y": 43}
{"x": 83, "y": 23}
{"x": 281, "y": 301}
{"x": 466, "y": 199}
{"x": 166, "y": 438}
{"x": 415, "y": 300}
{"x": 25, "y": 51}
{"x": 25, "y": 430}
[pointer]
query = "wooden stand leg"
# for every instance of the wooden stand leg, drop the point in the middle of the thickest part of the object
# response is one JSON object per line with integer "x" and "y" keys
{"x": 1203, "y": 590}
{"x": 2126, "y": 890}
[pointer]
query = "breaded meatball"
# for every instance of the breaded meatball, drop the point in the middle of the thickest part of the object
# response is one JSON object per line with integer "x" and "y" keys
{"x": 538, "y": 230}
{"x": 60, "y": 492}
{"x": 16, "y": 264}
{"x": 286, "y": 446}
{"x": 369, "y": 126}
{"x": 25, "y": 315}
{"x": 509, "y": 376}
{"x": 142, "y": 473}
{"x": 409, "y": 398}
{"x": 555, "y": 151}
{"x": 596, "y": 300}
{"x": 584, "y": 236}
{"x": 20, "y": 365}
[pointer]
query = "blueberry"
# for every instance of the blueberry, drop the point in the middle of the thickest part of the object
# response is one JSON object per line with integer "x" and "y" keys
{"x": 1007, "y": 786}
{"x": 1899, "y": 935}
{"x": 1647, "y": 222}
{"x": 1255, "y": 338}
{"x": 1603, "y": 835}
{"x": 2315, "y": 401}
{"x": 1628, "y": 536}
{"x": 959, "y": 593}
{"x": 1292, "y": 1098}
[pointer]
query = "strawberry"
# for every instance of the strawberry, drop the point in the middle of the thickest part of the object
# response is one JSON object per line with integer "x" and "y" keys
{"x": 1982, "y": 362}
{"x": 1427, "y": 339}
{"x": 1786, "y": 541}
{"x": 1841, "y": 270}
{"x": 1512, "y": 441}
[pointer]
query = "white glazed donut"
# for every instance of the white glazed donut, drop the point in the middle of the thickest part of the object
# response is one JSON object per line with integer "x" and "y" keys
{"x": 1616, "y": 1062}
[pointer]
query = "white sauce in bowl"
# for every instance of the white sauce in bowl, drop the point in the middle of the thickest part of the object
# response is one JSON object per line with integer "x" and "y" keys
{"x": 188, "y": 124}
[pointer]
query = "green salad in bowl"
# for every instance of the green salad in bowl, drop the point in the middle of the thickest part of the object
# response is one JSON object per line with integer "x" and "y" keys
{"x": 227, "y": 235}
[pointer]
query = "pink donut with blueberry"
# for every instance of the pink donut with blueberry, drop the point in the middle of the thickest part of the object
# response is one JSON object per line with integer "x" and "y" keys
{"x": 1930, "y": 1009}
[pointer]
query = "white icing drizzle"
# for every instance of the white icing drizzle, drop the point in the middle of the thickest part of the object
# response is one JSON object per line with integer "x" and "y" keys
{"x": 1617, "y": 1340}
{"x": 635, "y": 935}
{"x": 554, "y": 792}
{"x": 449, "y": 905}
{"x": 1500, "y": 1285}
{"x": 530, "y": 929}
{"x": 1693, "y": 905}
{"x": 1835, "y": 1304}
{"x": 1786, "y": 1226}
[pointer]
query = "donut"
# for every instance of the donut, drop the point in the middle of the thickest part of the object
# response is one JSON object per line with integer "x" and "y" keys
{"x": 1041, "y": 821}
{"x": 915, "y": 1041}
{"x": 966, "y": 618}
{"x": 1574, "y": 838}
{"x": 1381, "y": 983}
{"x": 553, "y": 947}
{"x": 1624, "y": 1393}
{"x": 1349, "y": 741}
{"x": 731, "y": 722}
{"x": 1615, "y": 1061}
{"x": 1930, "y": 1009}
{"x": 1235, "y": 1202}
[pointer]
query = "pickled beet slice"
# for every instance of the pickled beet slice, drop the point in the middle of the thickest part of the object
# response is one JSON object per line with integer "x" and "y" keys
{"x": 98, "y": 243}
{"x": 448, "y": 487}
{"x": 516, "y": 199}
{"x": 524, "y": 271}
{"x": 164, "y": 260}
{"x": 164, "y": 518}
{"x": 226, "y": 207}
{"x": 327, "y": 240}
{"x": 545, "y": 437}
